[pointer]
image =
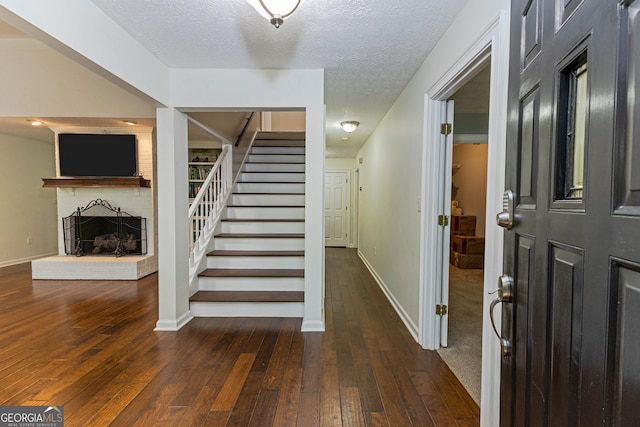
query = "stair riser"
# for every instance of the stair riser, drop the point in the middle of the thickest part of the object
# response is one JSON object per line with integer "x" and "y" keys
{"x": 255, "y": 262}
{"x": 273, "y": 167}
{"x": 258, "y": 244}
{"x": 265, "y": 212}
{"x": 278, "y": 142}
{"x": 271, "y": 177}
{"x": 248, "y": 284}
{"x": 246, "y": 309}
{"x": 256, "y": 187}
{"x": 263, "y": 227}
{"x": 268, "y": 199}
{"x": 277, "y": 150}
{"x": 276, "y": 158}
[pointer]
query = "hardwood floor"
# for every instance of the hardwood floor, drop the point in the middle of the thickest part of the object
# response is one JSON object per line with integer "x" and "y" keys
{"x": 89, "y": 346}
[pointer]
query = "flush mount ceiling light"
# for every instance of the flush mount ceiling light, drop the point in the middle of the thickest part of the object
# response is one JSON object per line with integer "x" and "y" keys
{"x": 349, "y": 126}
{"x": 276, "y": 11}
{"x": 35, "y": 122}
{"x": 129, "y": 122}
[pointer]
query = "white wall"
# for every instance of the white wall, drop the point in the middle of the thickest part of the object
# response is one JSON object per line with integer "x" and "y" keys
{"x": 28, "y": 210}
{"x": 392, "y": 167}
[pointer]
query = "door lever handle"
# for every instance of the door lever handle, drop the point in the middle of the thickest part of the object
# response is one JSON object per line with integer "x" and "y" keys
{"x": 505, "y": 294}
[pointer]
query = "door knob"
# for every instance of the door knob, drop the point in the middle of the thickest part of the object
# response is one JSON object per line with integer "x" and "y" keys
{"x": 505, "y": 294}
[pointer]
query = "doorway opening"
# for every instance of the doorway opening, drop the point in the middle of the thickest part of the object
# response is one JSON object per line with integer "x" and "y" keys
{"x": 463, "y": 353}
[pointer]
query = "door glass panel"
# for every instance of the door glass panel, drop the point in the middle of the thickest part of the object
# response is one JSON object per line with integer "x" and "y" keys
{"x": 577, "y": 138}
{"x": 571, "y": 149}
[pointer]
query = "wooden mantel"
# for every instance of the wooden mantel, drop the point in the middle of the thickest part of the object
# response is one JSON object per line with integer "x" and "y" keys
{"x": 106, "y": 181}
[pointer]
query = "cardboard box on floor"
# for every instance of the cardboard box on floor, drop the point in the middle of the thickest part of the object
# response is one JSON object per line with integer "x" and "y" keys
{"x": 466, "y": 261}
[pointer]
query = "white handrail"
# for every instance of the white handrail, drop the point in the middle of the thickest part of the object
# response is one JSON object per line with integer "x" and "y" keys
{"x": 206, "y": 209}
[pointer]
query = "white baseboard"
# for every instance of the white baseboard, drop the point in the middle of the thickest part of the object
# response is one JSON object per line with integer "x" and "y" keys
{"x": 312, "y": 326}
{"x": 23, "y": 260}
{"x": 173, "y": 325}
{"x": 411, "y": 327}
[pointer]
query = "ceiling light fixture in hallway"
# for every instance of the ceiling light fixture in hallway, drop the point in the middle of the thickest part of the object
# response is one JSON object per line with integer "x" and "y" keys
{"x": 349, "y": 126}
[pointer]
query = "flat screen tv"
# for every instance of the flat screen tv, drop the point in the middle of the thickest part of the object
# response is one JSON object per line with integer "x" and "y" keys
{"x": 97, "y": 155}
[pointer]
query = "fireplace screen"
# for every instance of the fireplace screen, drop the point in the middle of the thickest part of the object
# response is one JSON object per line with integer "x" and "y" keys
{"x": 100, "y": 229}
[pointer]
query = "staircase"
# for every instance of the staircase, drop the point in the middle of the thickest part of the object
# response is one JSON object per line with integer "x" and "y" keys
{"x": 255, "y": 266}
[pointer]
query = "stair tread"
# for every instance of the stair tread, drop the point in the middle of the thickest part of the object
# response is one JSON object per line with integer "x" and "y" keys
{"x": 263, "y": 193}
{"x": 252, "y": 296}
{"x": 273, "y": 164}
{"x": 258, "y": 235}
{"x": 260, "y": 220}
{"x": 265, "y": 206}
{"x": 270, "y": 182}
{"x": 245, "y": 272}
{"x": 256, "y": 253}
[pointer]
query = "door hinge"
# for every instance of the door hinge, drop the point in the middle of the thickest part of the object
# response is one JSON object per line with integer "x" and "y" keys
{"x": 441, "y": 310}
{"x": 445, "y": 128}
{"x": 443, "y": 220}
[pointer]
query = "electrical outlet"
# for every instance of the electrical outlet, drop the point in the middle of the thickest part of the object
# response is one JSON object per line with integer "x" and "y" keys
{"x": 375, "y": 250}
{"x": 29, "y": 240}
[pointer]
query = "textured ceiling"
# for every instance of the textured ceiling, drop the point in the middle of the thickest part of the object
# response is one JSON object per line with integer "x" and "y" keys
{"x": 368, "y": 48}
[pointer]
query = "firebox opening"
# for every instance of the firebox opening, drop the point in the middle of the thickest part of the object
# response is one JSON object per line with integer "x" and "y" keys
{"x": 87, "y": 232}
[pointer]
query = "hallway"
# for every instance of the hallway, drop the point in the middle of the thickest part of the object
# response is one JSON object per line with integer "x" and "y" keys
{"x": 89, "y": 346}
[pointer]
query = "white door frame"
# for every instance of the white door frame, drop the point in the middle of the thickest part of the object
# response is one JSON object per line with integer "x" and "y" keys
{"x": 492, "y": 44}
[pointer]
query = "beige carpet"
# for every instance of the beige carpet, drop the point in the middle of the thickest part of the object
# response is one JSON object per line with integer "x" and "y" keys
{"x": 464, "y": 352}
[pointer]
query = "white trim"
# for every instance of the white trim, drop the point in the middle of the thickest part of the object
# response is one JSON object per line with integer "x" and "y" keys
{"x": 492, "y": 43}
{"x": 413, "y": 329}
{"x": 312, "y": 326}
{"x": 27, "y": 259}
{"x": 173, "y": 325}
{"x": 494, "y": 243}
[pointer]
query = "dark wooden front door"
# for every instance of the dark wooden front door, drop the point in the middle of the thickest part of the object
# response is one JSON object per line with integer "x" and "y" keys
{"x": 573, "y": 163}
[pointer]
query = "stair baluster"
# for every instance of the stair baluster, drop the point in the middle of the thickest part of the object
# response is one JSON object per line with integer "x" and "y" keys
{"x": 206, "y": 209}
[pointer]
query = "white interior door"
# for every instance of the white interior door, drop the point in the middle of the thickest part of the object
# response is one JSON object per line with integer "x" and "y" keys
{"x": 446, "y": 160}
{"x": 336, "y": 207}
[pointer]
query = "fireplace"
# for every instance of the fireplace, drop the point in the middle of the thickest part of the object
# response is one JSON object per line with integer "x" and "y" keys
{"x": 100, "y": 229}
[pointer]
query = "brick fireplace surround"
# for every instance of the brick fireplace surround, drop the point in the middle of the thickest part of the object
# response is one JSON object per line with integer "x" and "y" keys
{"x": 139, "y": 200}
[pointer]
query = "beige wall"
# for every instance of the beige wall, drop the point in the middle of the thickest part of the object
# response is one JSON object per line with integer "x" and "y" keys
{"x": 28, "y": 210}
{"x": 293, "y": 121}
{"x": 471, "y": 180}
